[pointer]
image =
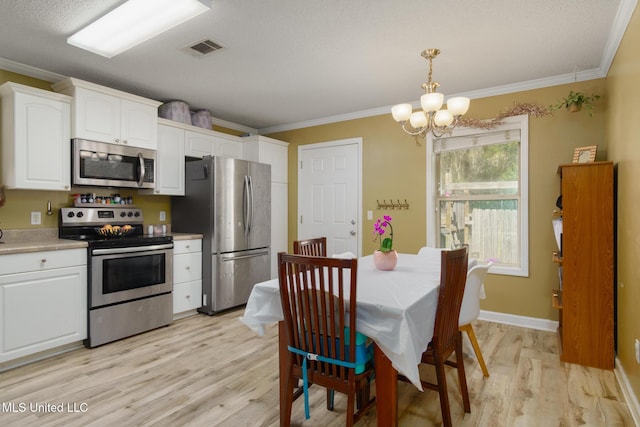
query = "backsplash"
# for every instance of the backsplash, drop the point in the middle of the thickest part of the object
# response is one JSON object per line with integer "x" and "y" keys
{"x": 16, "y": 213}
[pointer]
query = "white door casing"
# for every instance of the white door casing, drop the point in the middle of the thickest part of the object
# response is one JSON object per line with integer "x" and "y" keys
{"x": 330, "y": 194}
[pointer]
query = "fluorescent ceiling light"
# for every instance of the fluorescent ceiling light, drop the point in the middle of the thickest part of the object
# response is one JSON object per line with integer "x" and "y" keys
{"x": 134, "y": 22}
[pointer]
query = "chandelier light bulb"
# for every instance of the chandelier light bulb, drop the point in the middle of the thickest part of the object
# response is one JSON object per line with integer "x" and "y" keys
{"x": 431, "y": 101}
{"x": 458, "y": 105}
{"x": 418, "y": 119}
{"x": 443, "y": 118}
{"x": 401, "y": 112}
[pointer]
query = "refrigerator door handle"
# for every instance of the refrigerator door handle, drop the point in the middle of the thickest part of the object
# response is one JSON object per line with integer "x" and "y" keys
{"x": 205, "y": 170}
{"x": 245, "y": 206}
{"x": 250, "y": 225}
{"x": 252, "y": 255}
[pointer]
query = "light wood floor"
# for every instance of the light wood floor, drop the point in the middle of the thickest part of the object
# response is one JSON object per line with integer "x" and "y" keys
{"x": 213, "y": 371}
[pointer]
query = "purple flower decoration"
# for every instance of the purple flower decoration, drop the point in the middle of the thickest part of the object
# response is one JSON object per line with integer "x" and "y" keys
{"x": 379, "y": 228}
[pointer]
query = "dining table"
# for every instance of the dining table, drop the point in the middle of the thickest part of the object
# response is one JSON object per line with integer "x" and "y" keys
{"x": 395, "y": 308}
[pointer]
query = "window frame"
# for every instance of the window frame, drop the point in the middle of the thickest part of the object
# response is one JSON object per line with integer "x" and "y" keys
{"x": 520, "y": 123}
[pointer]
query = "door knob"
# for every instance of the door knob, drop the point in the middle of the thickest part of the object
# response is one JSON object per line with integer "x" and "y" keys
{"x": 353, "y": 222}
{"x": 353, "y": 233}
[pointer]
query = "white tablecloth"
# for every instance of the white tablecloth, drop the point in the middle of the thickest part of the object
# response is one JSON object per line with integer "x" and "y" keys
{"x": 395, "y": 308}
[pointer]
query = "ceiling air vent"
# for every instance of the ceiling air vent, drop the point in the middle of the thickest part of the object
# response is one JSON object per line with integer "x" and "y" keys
{"x": 202, "y": 47}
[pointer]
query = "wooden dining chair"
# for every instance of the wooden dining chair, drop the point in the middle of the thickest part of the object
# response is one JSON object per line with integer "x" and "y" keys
{"x": 318, "y": 296}
{"x": 447, "y": 337}
{"x": 470, "y": 309}
{"x": 312, "y": 247}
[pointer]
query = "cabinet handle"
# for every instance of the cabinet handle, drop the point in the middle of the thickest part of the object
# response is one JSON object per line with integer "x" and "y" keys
{"x": 124, "y": 141}
{"x": 188, "y": 296}
{"x": 43, "y": 260}
{"x": 117, "y": 140}
{"x": 188, "y": 268}
{"x": 187, "y": 246}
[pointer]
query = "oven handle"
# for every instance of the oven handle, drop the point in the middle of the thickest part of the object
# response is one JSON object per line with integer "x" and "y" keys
{"x": 131, "y": 249}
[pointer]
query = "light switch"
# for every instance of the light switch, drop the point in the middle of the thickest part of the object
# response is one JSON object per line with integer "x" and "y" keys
{"x": 163, "y": 216}
{"x": 369, "y": 215}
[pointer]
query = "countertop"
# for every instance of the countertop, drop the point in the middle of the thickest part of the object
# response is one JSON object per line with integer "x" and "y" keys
{"x": 47, "y": 240}
{"x": 186, "y": 236}
{"x": 38, "y": 246}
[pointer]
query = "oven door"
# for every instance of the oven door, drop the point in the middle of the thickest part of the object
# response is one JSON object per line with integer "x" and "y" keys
{"x": 124, "y": 274}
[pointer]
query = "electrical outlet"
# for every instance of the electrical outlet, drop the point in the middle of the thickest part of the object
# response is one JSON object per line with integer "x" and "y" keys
{"x": 36, "y": 218}
{"x": 637, "y": 345}
{"x": 163, "y": 216}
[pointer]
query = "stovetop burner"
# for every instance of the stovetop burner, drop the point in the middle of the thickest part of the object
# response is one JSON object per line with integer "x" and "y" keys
{"x": 83, "y": 224}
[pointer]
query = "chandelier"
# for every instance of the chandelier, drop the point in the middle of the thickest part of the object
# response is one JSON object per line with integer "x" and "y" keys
{"x": 431, "y": 118}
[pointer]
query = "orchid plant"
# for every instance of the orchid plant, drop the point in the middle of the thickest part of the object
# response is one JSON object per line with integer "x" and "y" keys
{"x": 380, "y": 227}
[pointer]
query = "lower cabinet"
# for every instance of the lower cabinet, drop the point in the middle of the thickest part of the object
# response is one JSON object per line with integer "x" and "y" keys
{"x": 187, "y": 275}
{"x": 43, "y": 301}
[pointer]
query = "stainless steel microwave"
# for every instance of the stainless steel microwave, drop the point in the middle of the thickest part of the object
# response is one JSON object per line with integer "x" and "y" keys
{"x": 108, "y": 165}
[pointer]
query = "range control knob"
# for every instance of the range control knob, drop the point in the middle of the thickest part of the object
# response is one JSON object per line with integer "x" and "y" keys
{"x": 137, "y": 214}
{"x": 71, "y": 214}
{"x": 79, "y": 214}
{"x": 123, "y": 214}
{"x": 130, "y": 214}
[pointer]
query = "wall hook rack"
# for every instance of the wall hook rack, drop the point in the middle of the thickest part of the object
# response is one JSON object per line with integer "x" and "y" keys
{"x": 392, "y": 205}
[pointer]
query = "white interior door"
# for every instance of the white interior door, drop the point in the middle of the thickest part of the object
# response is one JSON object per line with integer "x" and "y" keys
{"x": 330, "y": 194}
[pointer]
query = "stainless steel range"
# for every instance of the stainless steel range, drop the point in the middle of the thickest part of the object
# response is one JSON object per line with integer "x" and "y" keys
{"x": 130, "y": 274}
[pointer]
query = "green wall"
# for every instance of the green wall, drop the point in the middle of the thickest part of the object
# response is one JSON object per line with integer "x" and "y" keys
{"x": 623, "y": 134}
{"x": 394, "y": 166}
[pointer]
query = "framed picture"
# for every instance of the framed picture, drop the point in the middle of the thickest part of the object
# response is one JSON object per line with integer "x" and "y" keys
{"x": 585, "y": 154}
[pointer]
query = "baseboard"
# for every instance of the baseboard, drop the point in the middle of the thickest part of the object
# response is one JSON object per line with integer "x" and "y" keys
{"x": 523, "y": 321}
{"x": 629, "y": 395}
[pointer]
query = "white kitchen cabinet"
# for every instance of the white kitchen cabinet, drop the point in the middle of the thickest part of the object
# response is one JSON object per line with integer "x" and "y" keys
{"x": 202, "y": 142}
{"x": 36, "y": 151}
{"x": 107, "y": 115}
{"x": 187, "y": 275}
{"x": 169, "y": 161}
{"x": 271, "y": 151}
{"x": 43, "y": 301}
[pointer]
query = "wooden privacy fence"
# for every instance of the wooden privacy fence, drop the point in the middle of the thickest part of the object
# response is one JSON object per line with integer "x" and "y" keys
{"x": 495, "y": 235}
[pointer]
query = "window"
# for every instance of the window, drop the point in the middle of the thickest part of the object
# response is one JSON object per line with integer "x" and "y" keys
{"x": 477, "y": 194}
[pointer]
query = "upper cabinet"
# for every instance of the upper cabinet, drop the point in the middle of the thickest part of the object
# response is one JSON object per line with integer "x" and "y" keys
{"x": 169, "y": 160}
{"x": 203, "y": 142}
{"x": 268, "y": 150}
{"x": 36, "y": 152}
{"x": 108, "y": 115}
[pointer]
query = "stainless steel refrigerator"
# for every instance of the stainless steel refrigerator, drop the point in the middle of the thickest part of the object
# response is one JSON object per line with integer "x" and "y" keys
{"x": 229, "y": 202}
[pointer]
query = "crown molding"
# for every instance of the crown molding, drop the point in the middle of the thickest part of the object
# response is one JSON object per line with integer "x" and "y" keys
{"x": 27, "y": 70}
{"x": 477, "y": 94}
{"x": 235, "y": 126}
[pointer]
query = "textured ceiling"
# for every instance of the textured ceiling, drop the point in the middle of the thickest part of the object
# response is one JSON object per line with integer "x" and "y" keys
{"x": 290, "y": 61}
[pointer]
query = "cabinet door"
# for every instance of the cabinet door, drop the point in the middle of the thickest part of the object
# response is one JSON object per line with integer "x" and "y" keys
{"x": 187, "y": 296}
{"x": 37, "y": 157}
{"x": 279, "y": 226}
{"x": 198, "y": 144}
{"x": 138, "y": 124}
{"x": 170, "y": 161}
{"x": 187, "y": 267}
{"x": 228, "y": 147}
{"x": 277, "y": 156}
{"x": 96, "y": 116}
{"x": 42, "y": 310}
